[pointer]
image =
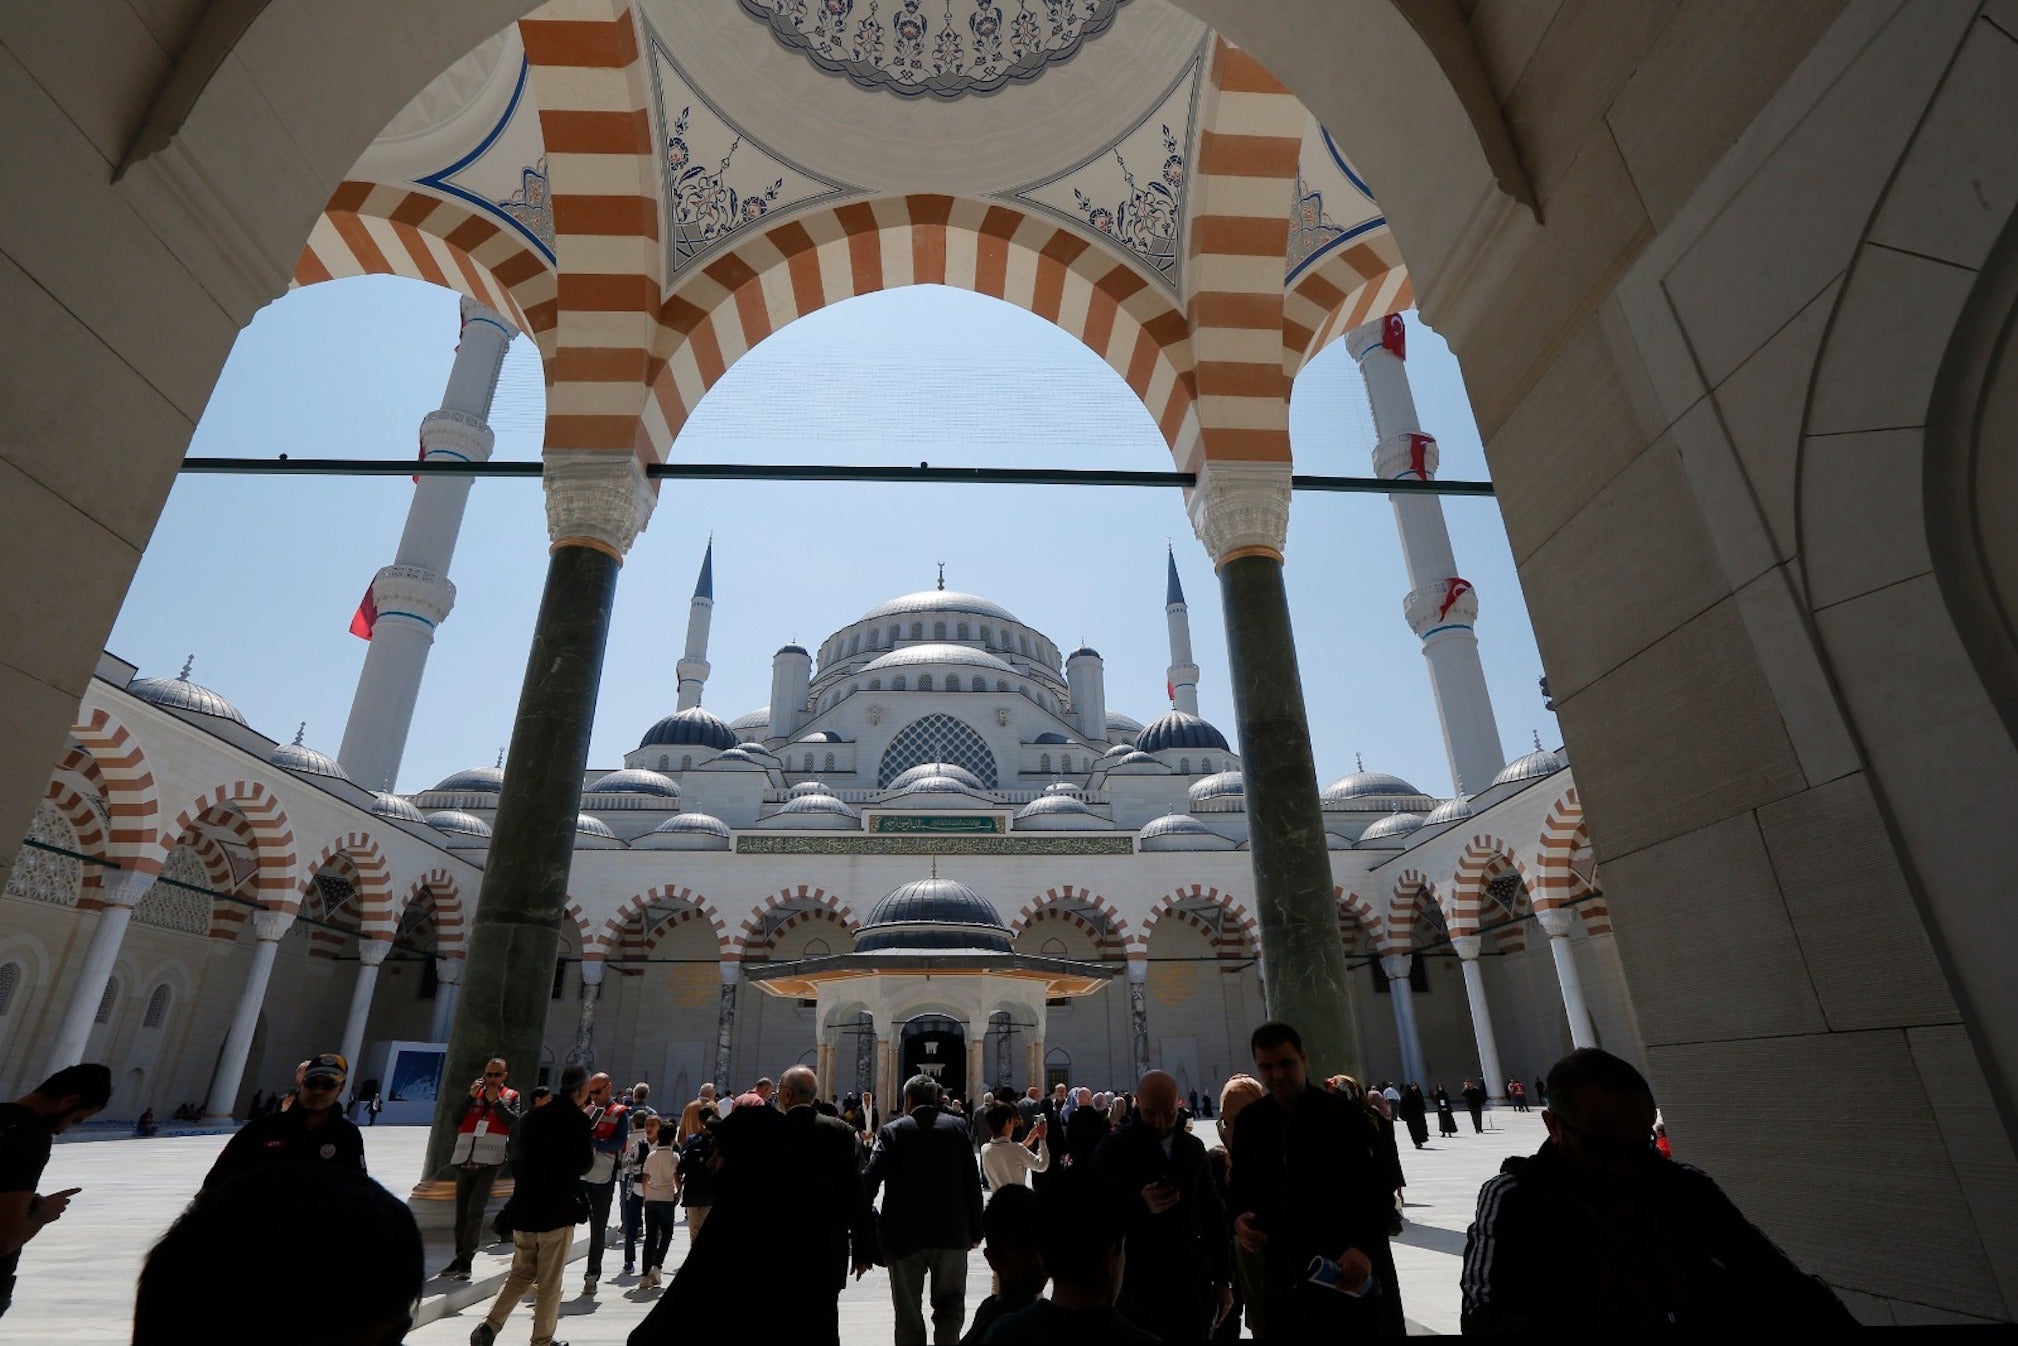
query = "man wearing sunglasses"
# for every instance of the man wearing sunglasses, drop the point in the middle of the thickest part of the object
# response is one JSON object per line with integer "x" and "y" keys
{"x": 1656, "y": 1244}
{"x": 314, "y": 1130}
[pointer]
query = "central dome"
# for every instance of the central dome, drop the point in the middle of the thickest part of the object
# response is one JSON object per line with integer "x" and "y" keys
{"x": 939, "y": 600}
{"x": 931, "y": 914}
{"x": 938, "y": 654}
{"x": 692, "y": 727}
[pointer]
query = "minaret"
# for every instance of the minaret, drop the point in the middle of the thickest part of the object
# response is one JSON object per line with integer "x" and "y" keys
{"x": 411, "y": 597}
{"x": 1440, "y": 606}
{"x": 693, "y": 664}
{"x": 1183, "y": 673}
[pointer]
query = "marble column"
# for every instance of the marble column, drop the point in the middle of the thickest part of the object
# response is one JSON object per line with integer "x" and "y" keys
{"x": 1558, "y": 922}
{"x": 1494, "y": 1079}
{"x": 267, "y": 928}
{"x": 1396, "y": 966}
{"x": 583, "y": 1053}
{"x": 447, "y": 982}
{"x": 370, "y": 954}
{"x": 1240, "y": 511}
{"x": 824, "y": 1067}
{"x": 1033, "y": 1063}
{"x": 977, "y": 1068}
{"x": 889, "y": 1089}
{"x": 596, "y": 505}
{"x": 725, "y": 1027}
{"x": 120, "y": 889}
{"x": 1138, "y": 1015}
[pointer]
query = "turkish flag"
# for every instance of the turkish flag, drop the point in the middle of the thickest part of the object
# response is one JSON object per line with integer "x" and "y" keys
{"x": 1170, "y": 690}
{"x": 1394, "y": 336}
{"x": 366, "y": 616}
{"x": 1453, "y": 589}
{"x": 421, "y": 458}
{"x": 1418, "y": 455}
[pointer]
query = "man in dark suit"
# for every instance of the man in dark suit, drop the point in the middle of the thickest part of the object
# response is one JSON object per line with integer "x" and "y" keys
{"x": 931, "y": 1213}
{"x": 1177, "y": 1281}
{"x": 830, "y": 1205}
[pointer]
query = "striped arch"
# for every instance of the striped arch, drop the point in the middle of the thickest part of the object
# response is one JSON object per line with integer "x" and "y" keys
{"x": 1356, "y": 916}
{"x": 1411, "y": 890}
{"x": 638, "y": 942}
{"x": 757, "y": 953}
{"x": 751, "y": 934}
{"x": 322, "y": 942}
{"x": 1483, "y": 858}
{"x": 451, "y": 921}
{"x": 373, "y": 879}
{"x": 1352, "y": 286}
{"x": 1239, "y": 936}
{"x": 89, "y": 829}
{"x": 1103, "y": 947}
{"x": 827, "y": 256}
{"x": 1563, "y": 834}
{"x": 369, "y": 229}
{"x": 276, "y": 882}
{"x": 584, "y": 938}
{"x": 1597, "y": 917}
{"x": 79, "y": 763}
{"x": 1113, "y": 942}
{"x": 624, "y": 931}
{"x": 130, "y": 799}
{"x": 226, "y": 873}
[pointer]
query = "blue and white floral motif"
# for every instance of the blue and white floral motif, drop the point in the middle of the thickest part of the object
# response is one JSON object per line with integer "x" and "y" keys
{"x": 1311, "y": 230}
{"x": 1146, "y": 220}
{"x": 706, "y": 208}
{"x": 532, "y": 205}
{"x": 972, "y": 47}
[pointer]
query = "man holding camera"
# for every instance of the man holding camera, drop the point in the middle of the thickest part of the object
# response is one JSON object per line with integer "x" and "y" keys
{"x": 483, "y": 1131}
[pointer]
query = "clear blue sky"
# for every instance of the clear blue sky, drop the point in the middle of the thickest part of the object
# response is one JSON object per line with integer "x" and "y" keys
{"x": 258, "y": 576}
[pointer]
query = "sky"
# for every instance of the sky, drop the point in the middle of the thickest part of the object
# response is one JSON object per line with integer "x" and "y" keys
{"x": 257, "y": 577}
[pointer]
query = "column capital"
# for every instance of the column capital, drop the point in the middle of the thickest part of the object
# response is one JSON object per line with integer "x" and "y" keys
{"x": 732, "y": 972}
{"x": 1241, "y": 509}
{"x": 592, "y": 976}
{"x": 124, "y": 887}
{"x": 1388, "y": 334}
{"x": 1138, "y": 970}
{"x": 1467, "y": 946}
{"x": 474, "y": 310}
{"x": 372, "y": 952}
{"x": 271, "y": 925}
{"x": 412, "y": 592}
{"x": 1410, "y": 455}
{"x": 1445, "y": 604}
{"x": 596, "y": 499}
{"x": 1557, "y": 921}
{"x": 1396, "y": 965}
{"x": 448, "y": 971}
{"x": 456, "y": 434}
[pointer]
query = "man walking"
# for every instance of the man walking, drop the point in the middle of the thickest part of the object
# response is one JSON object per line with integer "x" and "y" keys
{"x": 1474, "y": 1102}
{"x": 28, "y": 1128}
{"x": 1307, "y": 1184}
{"x": 1657, "y": 1245}
{"x": 609, "y": 1133}
{"x": 690, "y": 1116}
{"x": 833, "y": 1210}
{"x": 554, "y": 1152}
{"x": 1177, "y": 1282}
{"x": 931, "y": 1212}
{"x": 483, "y": 1129}
{"x": 314, "y": 1130}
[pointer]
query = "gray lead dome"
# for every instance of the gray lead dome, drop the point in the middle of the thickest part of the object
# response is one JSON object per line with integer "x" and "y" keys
{"x": 182, "y": 694}
{"x": 929, "y": 914}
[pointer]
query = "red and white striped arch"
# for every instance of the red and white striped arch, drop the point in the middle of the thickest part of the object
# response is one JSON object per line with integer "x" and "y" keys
{"x": 830, "y": 255}
{"x": 1352, "y": 286}
{"x": 754, "y": 952}
{"x": 1238, "y": 935}
{"x": 751, "y": 940}
{"x": 276, "y": 882}
{"x": 1412, "y": 890}
{"x": 1563, "y": 834}
{"x": 623, "y": 929}
{"x": 451, "y": 921}
{"x": 130, "y": 799}
{"x": 1356, "y": 913}
{"x": 1483, "y": 859}
{"x": 1114, "y": 941}
{"x": 372, "y": 875}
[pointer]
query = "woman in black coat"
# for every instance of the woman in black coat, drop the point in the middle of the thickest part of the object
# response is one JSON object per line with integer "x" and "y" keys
{"x": 1386, "y": 1150}
{"x": 1415, "y": 1114}
{"x": 1446, "y": 1119}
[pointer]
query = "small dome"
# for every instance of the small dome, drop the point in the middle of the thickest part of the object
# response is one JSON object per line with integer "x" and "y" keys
{"x": 822, "y": 736}
{"x": 824, "y": 811}
{"x": 758, "y": 751}
{"x": 1117, "y": 752}
{"x": 760, "y": 718}
{"x": 1051, "y": 736}
{"x": 738, "y": 758}
{"x": 481, "y": 780}
{"x": 1059, "y": 813}
{"x": 686, "y": 832}
{"x": 808, "y": 787}
{"x": 693, "y": 727}
{"x": 917, "y": 773}
{"x": 799, "y": 650}
{"x": 1122, "y": 726}
{"x": 1533, "y": 766}
{"x": 1135, "y": 762}
{"x": 1224, "y": 792}
{"x": 179, "y": 693}
{"x": 952, "y": 792}
{"x": 636, "y": 781}
{"x": 1450, "y": 811}
{"x": 595, "y": 834}
{"x": 929, "y": 914}
{"x": 1375, "y": 792}
{"x": 1389, "y": 832}
{"x": 1334, "y": 841}
{"x": 1179, "y": 730}
{"x": 306, "y": 762}
{"x": 392, "y": 806}
{"x": 965, "y": 655}
{"x": 1181, "y": 832}
{"x": 1084, "y": 651}
{"x": 938, "y": 600}
{"x": 1066, "y": 788}
{"x": 466, "y": 829}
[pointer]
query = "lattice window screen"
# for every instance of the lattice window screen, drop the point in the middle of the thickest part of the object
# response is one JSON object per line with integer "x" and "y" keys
{"x": 157, "y": 1008}
{"x": 937, "y": 738}
{"x": 10, "y": 980}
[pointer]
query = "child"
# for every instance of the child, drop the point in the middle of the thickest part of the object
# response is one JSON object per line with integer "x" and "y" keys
{"x": 662, "y": 1205}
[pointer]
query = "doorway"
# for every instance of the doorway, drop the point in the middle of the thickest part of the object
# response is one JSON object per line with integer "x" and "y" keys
{"x": 936, "y": 1046}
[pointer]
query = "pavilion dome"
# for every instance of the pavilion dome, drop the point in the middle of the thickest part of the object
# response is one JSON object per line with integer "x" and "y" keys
{"x": 1059, "y": 813}
{"x": 1389, "y": 833}
{"x": 905, "y": 779}
{"x": 939, "y": 600}
{"x": 760, "y": 718}
{"x": 1120, "y": 726}
{"x": 1375, "y": 792}
{"x": 1176, "y": 729}
{"x": 1449, "y": 811}
{"x": 480, "y": 780}
{"x": 392, "y": 806}
{"x": 1222, "y": 792}
{"x": 593, "y": 834}
{"x": 931, "y": 914}
{"x": 967, "y": 656}
{"x": 691, "y": 727}
{"x": 461, "y": 829}
{"x": 686, "y": 832}
{"x": 304, "y": 761}
{"x": 823, "y": 811}
{"x": 636, "y": 781}
{"x": 1532, "y": 766}
{"x": 1181, "y": 832}
{"x": 179, "y": 693}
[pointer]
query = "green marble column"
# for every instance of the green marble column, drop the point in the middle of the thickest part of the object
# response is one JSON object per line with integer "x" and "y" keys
{"x": 1302, "y": 958}
{"x": 508, "y": 977}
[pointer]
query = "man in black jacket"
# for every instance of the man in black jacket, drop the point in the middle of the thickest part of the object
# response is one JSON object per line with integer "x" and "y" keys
{"x": 546, "y": 1205}
{"x": 1178, "y": 1278}
{"x": 1307, "y": 1184}
{"x": 1656, "y": 1244}
{"x": 931, "y": 1213}
{"x": 313, "y": 1131}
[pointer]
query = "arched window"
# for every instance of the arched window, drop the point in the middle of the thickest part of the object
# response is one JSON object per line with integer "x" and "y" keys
{"x": 157, "y": 1007}
{"x": 809, "y": 761}
{"x": 1184, "y": 766}
{"x": 1206, "y": 766}
{"x": 687, "y": 763}
{"x": 895, "y": 631}
{"x": 978, "y": 684}
{"x": 875, "y": 684}
{"x": 924, "y": 682}
{"x": 830, "y": 761}
{"x": 917, "y": 630}
{"x": 1044, "y": 762}
{"x": 937, "y": 738}
{"x": 854, "y": 643}
{"x": 938, "y": 630}
{"x": 1055, "y": 948}
{"x": 815, "y": 948}
{"x": 985, "y": 634}
{"x": 1024, "y": 641}
{"x": 1065, "y": 762}
{"x": 962, "y": 633}
{"x": 665, "y": 760}
{"x": 1001, "y": 684}
{"x": 106, "y": 1002}
{"x": 897, "y": 683}
{"x": 10, "y": 981}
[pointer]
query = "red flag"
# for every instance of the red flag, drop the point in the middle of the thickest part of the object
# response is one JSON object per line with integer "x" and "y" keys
{"x": 1418, "y": 455}
{"x": 1170, "y": 690}
{"x": 422, "y": 457}
{"x": 1394, "y": 336}
{"x": 366, "y": 616}
{"x": 1453, "y": 589}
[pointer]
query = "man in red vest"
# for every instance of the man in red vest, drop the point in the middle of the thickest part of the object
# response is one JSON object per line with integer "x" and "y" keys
{"x": 609, "y": 1132}
{"x": 483, "y": 1130}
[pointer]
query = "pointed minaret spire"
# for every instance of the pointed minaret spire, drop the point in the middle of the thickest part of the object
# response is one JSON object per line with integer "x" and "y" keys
{"x": 500, "y": 759}
{"x": 693, "y": 665}
{"x": 187, "y": 664}
{"x": 942, "y": 575}
{"x": 300, "y": 729}
{"x": 1181, "y": 683}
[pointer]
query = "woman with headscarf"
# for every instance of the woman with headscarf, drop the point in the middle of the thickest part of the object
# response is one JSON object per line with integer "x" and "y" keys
{"x": 1414, "y": 1112}
{"x": 1446, "y": 1117}
{"x": 1389, "y": 1152}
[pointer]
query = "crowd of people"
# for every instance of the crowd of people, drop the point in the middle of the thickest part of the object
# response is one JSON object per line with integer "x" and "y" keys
{"x": 1102, "y": 1217}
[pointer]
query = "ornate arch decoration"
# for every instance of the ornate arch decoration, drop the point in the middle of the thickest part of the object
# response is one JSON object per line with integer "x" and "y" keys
{"x": 1238, "y": 935}
{"x": 1556, "y": 883}
{"x": 276, "y": 882}
{"x": 631, "y": 936}
{"x": 1356, "y": 916}
{"x": 1352, "y": 286}
{"x": 859, "y": 248}
{"x": 450, "y": 919}
{"x": 131, "y": 802}
{"x": 1483, "y": 858}
{"x": 80, "y": 765}
{"x": 753, "y": 935}
{"x": 88, "y": 827}
{"x": 584, "y": 938}
{"x": 1411, "y": 891}
{"x": 373, "y": 876}
{"x": 1111, "y": 935}
{"x": 756, "y": 953}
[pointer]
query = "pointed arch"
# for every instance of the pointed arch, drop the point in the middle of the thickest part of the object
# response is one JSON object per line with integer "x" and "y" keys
{"x": 450, "y": 917}
{"x": 1110, "y": 934}
{"x": 1351, "y": 287}
{"x": 131, "y": 802}
{"x": 276, "y": 880}
{"x": 1563, "y": 834}
{"x": 1238, "y": 934}
{"x": 1356, "y": 916}
{"x": 624, "y": 932}
{"x": 89, "y": 830}
{"x": 756, "y": 928}
{"x": 373, "y": 877}
{"x": 1483, "y": 858}
{"x": 1413, "y": 892}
